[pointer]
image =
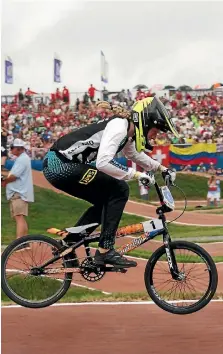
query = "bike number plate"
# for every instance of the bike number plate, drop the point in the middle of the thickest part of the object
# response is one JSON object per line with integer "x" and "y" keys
{"x": 167, "y": 197}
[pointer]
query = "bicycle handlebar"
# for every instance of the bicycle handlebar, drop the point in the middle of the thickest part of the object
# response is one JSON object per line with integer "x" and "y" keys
{"x": 168, "y": 181}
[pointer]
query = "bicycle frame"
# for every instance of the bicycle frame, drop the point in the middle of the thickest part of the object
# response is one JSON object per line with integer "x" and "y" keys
{"x": 136, "y": 242}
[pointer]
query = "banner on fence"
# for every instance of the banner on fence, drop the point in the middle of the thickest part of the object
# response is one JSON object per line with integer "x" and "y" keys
{"x": 159, "y": 153}
{"x": 193, "y": 155}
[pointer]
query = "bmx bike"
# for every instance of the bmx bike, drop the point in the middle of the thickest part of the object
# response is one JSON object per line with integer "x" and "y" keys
{"x": 180, "y": 276}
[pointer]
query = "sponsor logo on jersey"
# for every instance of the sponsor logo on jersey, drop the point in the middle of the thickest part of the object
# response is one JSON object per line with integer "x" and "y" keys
{"x": 88, "y": 176}
{"x": 89, "y": 142}
{"x": 118, "y": 165}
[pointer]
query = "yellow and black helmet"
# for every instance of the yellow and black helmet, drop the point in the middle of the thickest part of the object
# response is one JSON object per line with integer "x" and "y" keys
{"x": 150, "y": 113}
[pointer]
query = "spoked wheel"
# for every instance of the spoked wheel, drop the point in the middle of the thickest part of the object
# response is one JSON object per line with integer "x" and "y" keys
{"x": 23, "y": 280}
{"x": 196, "y": 284}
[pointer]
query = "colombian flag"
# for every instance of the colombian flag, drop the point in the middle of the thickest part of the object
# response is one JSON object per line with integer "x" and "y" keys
{"x": 193, "y": 155}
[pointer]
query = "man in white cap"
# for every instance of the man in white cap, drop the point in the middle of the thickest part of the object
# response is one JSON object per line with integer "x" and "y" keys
{"x": 19, "y": 187}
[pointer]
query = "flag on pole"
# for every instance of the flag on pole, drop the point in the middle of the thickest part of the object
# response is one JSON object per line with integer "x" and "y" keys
{"x": 57, "y": 67}
{"x": 106, "y": 71}
{"x": 104, "y": 68}
{"x": 8, "y": 71}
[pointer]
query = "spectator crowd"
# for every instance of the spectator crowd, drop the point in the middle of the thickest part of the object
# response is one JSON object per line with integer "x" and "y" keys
{"x": 198, "y": 119}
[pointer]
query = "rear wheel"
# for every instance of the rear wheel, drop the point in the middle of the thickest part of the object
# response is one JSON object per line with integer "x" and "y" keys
{"x": 197, "y": 282}
{"x": 21, "y": 280}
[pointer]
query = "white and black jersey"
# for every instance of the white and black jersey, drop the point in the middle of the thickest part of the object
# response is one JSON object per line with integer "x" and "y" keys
{"x": 83, "y": 144}
{"x": 99, "y": 143}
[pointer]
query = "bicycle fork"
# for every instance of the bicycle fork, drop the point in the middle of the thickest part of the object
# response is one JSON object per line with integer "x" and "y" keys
{"x": 171, "y": 259}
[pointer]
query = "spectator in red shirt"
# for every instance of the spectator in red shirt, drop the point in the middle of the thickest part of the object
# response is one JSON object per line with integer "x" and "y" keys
{"x": 179, "y": 96}
{"x": 53, "y": 97}
{"x": 91, "y": 92}
{"x": 66, "y": 95}
{"x": 28, "y": 95}
{"x": 28, "y": 92}
{"x": 58, "y": 95}
{"x": 174, "y": 104}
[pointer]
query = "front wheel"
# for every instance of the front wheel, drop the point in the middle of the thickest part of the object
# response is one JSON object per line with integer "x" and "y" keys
{"x": 196, "y": 284}
{"x": 22, "y": 279}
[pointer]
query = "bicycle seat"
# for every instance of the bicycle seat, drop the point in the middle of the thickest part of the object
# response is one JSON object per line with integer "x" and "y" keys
{"x": 80, "y": 229}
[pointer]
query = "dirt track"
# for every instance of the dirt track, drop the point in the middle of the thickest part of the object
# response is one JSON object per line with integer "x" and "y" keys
{"x": 118, "y": 329}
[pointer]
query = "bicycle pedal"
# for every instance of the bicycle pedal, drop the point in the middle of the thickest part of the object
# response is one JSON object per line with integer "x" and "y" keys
{"x": 123, "y": 270}
{"x": 119, "y": 270}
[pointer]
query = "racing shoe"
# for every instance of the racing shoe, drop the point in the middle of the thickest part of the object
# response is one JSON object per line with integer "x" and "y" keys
{"x": 113, "y": 258}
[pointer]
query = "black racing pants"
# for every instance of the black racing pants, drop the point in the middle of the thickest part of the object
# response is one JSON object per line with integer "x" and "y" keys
{"x": 107, "y": 194}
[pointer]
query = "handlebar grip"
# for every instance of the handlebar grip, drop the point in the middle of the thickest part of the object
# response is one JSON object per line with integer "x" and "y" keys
{"x": 145, "y": 182}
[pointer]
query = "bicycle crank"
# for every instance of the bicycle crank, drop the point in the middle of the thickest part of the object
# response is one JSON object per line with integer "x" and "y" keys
{"x": 90, "y": 271}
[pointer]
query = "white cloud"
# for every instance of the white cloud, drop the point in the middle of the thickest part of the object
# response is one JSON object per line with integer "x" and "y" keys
{"x": 167, "y": 43}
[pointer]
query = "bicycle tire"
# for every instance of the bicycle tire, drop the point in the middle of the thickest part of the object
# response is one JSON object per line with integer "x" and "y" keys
{"x": 5, "y": 287}
{"x": 206, "y": 298}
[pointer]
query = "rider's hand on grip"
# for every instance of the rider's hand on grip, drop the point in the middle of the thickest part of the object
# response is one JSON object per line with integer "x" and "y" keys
{"x": 169, "y": 177}
{"x": 146, "y": 179}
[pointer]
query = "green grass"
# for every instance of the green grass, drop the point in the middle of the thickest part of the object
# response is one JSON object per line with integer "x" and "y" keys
{"x": 194, "y": 187}
{"x": 74, "y": 294}
{"x": 50, "y": 209}
{"x": 39, "y": 288}
{"x": 32, "y": 290}
{"x": 57, "y": 210}
{"x": 184, "y": 231}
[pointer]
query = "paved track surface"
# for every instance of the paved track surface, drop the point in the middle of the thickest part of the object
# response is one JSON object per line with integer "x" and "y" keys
{"x": 118, "y": 329}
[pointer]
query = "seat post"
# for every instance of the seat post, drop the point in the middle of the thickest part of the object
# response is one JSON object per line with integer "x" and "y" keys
{"x": 87, "y": 249}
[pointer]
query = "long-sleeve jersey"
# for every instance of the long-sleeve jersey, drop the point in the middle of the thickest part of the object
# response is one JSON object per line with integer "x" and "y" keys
{"x": 99, "y": 143}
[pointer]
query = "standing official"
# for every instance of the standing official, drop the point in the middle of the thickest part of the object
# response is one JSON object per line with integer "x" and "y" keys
{"x": 19, "y": 187}
{"x": 4, "y": 133}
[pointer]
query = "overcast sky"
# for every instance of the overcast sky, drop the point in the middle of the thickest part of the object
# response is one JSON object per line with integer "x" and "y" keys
{"x": 144, "y": 42}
